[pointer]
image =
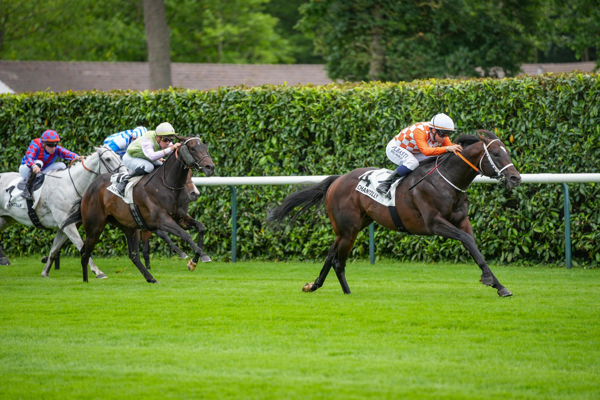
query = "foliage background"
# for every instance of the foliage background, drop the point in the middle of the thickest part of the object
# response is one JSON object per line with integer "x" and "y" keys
{"x": 549, "y": 122}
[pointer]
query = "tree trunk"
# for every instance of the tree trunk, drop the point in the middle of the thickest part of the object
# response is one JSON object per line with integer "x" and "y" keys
{"x": 158, "y": 42}
{"x": 377, "y": 59}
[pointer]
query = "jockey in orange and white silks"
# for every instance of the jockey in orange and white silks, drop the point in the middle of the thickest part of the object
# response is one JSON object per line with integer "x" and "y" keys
{"x": 415, "y": 143}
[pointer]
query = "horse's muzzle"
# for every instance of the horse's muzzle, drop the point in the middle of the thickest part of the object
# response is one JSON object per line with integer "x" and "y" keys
{"x": 512, "y": 180}
{"x": 208, "y": 169}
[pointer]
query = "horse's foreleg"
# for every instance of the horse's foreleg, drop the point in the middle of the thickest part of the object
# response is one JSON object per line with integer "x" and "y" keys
{"x": 171, "y": 244}
{"x": 466, "y": 237}
{"x": 133, "y": 244}
{"x": 172, "y": 227}
{"x": 188, "y": 223}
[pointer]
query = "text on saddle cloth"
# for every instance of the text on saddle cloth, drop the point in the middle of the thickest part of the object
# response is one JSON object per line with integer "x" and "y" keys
{"x": 368, "y": 182}
{"x": 15, "y": 190}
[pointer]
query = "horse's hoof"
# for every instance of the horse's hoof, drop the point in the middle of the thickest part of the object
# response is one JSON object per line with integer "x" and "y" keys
{"x": 205, "y": 258}
{"x": 504, "y": 292}
{"x": 4, "y": 261}
{"x": 183, "y": 256}
{"x": 45, "y": 274}
{"x": 101, "y": 275}
{"x": 44, "y": 259}
{"x": 153, "y": 281}
{"x": 191, "y": 265}
{"x": 308, "y": 287}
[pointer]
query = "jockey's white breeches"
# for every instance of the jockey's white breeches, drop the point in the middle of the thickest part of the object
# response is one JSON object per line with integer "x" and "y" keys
{"x": 25, "y": 171}
{"x": 400, "y": 156}
{"x": 133, "y": 163}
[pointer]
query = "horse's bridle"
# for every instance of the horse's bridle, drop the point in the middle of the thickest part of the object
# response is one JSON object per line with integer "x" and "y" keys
{"x": 191, "y": 163}
{"x": 479, "y": 170}
{"x": 100, "y": 164}
{"x": 187, "y": 160}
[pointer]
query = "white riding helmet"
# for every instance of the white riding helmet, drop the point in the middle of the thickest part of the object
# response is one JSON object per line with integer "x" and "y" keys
{"x": 165, "y": 129}
{"x": 442, "y": 122}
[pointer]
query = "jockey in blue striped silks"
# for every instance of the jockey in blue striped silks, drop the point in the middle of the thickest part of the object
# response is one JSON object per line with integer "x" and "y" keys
{"x": 119, "y": 141}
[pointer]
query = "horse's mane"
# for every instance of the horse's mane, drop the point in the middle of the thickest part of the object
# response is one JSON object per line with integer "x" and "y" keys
{"x": 464, "y": 141}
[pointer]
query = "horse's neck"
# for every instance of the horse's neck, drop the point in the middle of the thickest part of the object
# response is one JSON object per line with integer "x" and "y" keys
{"x": 82, "y": 177}
{"x": 174, "y": 173}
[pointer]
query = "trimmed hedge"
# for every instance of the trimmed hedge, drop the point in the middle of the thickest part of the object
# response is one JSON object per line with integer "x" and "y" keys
{"x": 549, "y": 122}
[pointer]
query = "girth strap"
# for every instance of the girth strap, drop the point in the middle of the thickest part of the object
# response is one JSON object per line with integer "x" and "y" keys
{"x": 33, "y": 215}
{"x": 137, "y": 217}
{"x": 396, "y": 218}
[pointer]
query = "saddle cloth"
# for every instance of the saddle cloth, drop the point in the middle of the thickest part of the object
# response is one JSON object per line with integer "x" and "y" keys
{"x": 368, "y": 182}
{"x": 15, "y": 191}
{"x": 116, "y": 178}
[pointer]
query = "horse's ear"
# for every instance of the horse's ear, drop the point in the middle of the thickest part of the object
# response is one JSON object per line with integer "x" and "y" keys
{"x": 485, "y": 135}
{"x": 181, "y": 138}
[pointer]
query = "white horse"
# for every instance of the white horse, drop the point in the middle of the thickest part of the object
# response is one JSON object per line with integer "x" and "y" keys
{"x": 52, "y": 202}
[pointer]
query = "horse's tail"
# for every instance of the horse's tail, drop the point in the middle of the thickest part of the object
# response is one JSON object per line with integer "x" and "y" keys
{"x": 306, "y": 198}
{"x": 74, "y": 216}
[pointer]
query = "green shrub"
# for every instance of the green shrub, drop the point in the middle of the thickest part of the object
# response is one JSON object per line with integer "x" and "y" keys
{"x": 549, "y": 123}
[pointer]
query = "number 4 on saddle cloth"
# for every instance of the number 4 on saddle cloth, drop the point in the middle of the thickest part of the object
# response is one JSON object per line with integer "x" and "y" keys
{"x": 367, "y": 184}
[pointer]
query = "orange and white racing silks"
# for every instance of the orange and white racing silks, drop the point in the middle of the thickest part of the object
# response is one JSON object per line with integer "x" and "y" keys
{"x": 417, "y": 139}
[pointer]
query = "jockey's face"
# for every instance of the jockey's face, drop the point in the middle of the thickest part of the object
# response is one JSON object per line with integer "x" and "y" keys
{"x": 164, "y": 142}
{"x": 50, "y": 147}
{"x": 437, "y": 137}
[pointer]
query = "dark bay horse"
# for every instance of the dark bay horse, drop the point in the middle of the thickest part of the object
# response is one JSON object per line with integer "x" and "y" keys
{"x": 437, "y": 205}
{"x": 162, "y": 202}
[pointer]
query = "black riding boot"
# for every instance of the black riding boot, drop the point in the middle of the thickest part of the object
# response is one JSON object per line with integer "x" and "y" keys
{"x": 122, "y": 184}
{"x": 384, "y": 186}
{"x": 28, "y": 191}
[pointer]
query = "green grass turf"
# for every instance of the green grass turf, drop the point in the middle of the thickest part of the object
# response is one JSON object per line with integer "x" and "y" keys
{"x": 246, "y": 331}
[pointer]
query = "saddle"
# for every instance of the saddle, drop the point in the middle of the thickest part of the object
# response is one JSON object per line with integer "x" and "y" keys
{"x": 116, "y": 178}
{"x": 15, "y": 198}
{"x": 16, "y": 188}
{"x": 368, "y": 182}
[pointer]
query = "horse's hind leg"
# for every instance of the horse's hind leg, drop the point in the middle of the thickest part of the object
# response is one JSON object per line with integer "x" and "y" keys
{"x": 3, "y": 258}
{"x": 73, "y": 235}
{"x": 312, "y": 286}
{"x": 54, "y": 255}
{"x": 344, "y": 245}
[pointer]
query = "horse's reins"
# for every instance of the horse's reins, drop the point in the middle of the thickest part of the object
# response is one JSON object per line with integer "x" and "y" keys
{"x": 176, "y": 153}
{"x": 478, "y": 170}
{"x": 101, "y": 162}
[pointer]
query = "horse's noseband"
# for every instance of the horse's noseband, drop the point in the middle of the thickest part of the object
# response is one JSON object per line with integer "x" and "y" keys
{"x": 492, "y": 163}
{"x": 187, "y": 157}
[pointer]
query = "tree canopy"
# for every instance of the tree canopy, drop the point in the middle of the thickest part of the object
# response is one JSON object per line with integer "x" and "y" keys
{"x": 358, "y": 40}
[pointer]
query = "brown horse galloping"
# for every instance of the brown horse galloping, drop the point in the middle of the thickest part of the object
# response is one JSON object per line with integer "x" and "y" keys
{"x": 161, "y": 199}
{"x": 437, "y": 205}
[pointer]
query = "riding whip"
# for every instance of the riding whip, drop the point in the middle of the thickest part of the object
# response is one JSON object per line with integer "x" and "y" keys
{"x": 436, "y": 166}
